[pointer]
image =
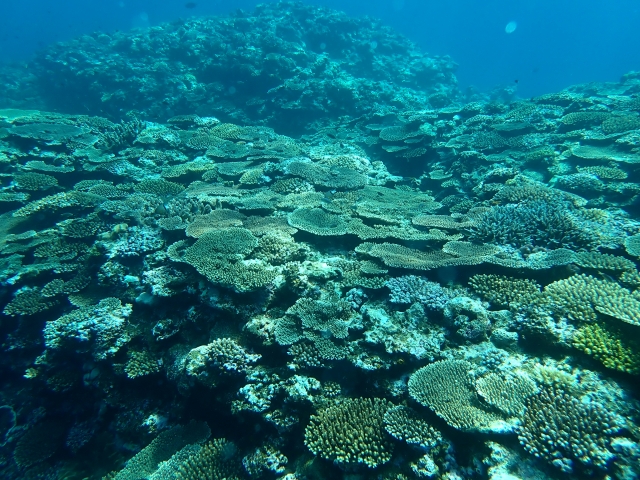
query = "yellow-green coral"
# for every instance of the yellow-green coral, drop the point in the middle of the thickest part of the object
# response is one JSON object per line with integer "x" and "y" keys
{"x": 216, "y": 219}
{"x": 39, "y": 443}
{"x": 620, "y": 123}
{"x": 603, "y": 261}
{"x": 505, "y": 291}
{"x": 609, "y": 346}
{"x": 446, "y": 387}
{"x": 317, "y": 221}
{"x": 351, "y": 433}
{"x": 158, "y": 186}
{"x": 581, "y": 296}
{"x": 507, "y": 393}
{"x": 141, "y": 364}
{"x": 399, "y": 256}
{"x": 215, "y": 460}
{"x": 34, "y": 181}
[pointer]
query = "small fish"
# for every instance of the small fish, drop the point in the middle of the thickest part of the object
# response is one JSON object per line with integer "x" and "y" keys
{"x": 190, "y": 5}
{"x": 516, "y": 80}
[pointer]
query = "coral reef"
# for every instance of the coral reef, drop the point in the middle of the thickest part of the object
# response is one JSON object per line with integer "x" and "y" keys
{"x": 303, "y": 253}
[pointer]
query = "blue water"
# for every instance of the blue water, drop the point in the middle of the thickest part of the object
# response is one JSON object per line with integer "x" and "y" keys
{"x": 555, "y": 44}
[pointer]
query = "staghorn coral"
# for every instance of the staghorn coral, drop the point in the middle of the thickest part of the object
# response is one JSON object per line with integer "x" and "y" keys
{"x": 99, "y": 329}
{"x": 561, "y": 428}
{"x": 446, "y": 388}
{"x": 351, "y": 433}
{"x": 40, "y": 442}
{"x": 534, "y": 223}
{"x": 581, "y": 297}
{"x": 215, "y": 460}
{"x": 411, "y": 289}
{"x": 141, "y": 364}
{"x": 507, "y": 393}
{"x": 161, "y": 449}
{"x": 404, "y": 423}
{"x": 505, "y": 291}
{"x": 609, "y": 346}
{"x": 34, "y": 181}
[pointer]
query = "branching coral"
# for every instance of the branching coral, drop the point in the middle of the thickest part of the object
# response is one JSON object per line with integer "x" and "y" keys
{"x": 351, "y": 433}
{"x": 561, "y": 428}
{"x": 446, "y": 387}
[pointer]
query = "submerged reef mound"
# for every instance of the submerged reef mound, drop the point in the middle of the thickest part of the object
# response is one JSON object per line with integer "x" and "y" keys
{"x": 447, "y": 292}
{"x": 281, "y": 62}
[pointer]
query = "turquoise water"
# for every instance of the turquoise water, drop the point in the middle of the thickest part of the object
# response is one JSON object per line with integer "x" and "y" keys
{"x": 295, "y": 242}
